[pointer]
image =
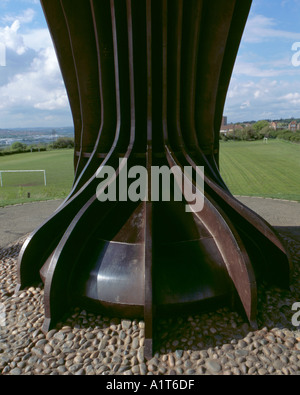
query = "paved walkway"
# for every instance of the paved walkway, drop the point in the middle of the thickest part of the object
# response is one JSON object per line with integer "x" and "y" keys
{"x": 284, "y": 215}
{"x": 276, "y": 212}
{"x": 17, "y": 221}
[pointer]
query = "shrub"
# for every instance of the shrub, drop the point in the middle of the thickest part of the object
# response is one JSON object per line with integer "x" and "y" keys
{"x": 62, "y": 142}
{"x": 18, "y": 146}
{"x": 295, "y": 138}
{"x": 286, "y": 135}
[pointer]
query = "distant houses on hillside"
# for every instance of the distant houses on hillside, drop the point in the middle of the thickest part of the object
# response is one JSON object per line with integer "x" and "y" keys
{"x": 293, "y": 126}
{"x": 231, "y": 127}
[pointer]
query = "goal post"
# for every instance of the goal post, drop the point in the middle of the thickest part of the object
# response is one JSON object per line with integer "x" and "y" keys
{"x": 23, "y": 171}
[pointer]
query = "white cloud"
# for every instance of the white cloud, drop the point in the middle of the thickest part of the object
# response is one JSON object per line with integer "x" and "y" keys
{"x": 257, "y": 94}
{"x": 37, "y": 39}
{"x": 292, "y": 98}
{"x": 41, "y": 87}
{"x": 58, "y": 99}
{"x": 255, "y": 69}
{"x": 11, "y": 38}
{"x": 259, "y": 67}
{"x": 244, "y": 105}
{"x": 260, "y": 28}
{"x": 265, "y": 83}
{"x": 263, "y": 98}
{"x": 26, "y": 16}
{"x": 31, "y": 86}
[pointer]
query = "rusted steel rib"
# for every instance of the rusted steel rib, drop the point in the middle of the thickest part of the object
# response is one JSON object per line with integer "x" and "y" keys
{"x": 147, "y": 81}
{"x": 60, "y": 36}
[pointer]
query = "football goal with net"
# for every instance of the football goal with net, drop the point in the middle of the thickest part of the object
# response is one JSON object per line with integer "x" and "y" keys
{"x": 21, "y": 172}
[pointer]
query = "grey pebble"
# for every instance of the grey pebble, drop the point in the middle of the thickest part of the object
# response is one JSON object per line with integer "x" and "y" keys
{"x": 178, "y": 354}
{"x": 213, "y": 366}
{"x": 262, "y": 371}
{"x": 241, "y": 353}
{"x": 80, "y": 372}
{"x": 126, "y": 324}
{"x": 37, "y": 351}
{"x": 16, "y": 372}
{"x": 152, "y": 368}
{"x": 41, "y": 343}
{"x": 140, "y": 355}
{"x": 48, "y": 349}
{"x": 191, "y": 371}
{"x": 171, "y": 361}
{"x": 276, "y": 349}
{"x": 135, "y": 343}
{"x": 143, "y": 369}
{"x": 50, "y": 334}
{"x": 61, "y": 369}
{"x": 285, "y": 371}
{"x": 86, "y": 344}
{"x": 135, "y": 369}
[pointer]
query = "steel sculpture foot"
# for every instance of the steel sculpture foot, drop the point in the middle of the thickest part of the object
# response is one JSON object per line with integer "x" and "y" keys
{"x": 147, "y": 81}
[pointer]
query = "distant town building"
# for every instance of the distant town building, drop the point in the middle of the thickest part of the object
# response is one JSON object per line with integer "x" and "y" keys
{"x": 231, "y": 127}
{"x": 293, "y": 126}
{"x": 278, "y": 125}
{"x": 227, "y": 128}
{"x": 273, "y": 125}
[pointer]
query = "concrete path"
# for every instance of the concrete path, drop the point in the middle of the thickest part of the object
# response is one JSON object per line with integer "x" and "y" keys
{"x": 282, "y": 214}
{"x": 276, "y": 212}
{"x": 17, "y": 221}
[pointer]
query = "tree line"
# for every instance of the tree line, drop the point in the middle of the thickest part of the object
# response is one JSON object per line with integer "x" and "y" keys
{"x": 18, "y": 147}
{"x": 259, "y": 131}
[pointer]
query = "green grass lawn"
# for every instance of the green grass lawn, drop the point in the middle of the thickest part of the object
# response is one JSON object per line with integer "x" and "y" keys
{"x": 248, "y": 168}
{"x": 16, "y": 186}
{"x": 260, "y": 169}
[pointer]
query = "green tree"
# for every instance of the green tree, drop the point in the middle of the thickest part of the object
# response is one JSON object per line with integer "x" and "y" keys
{"x": 258, "y": 126}
{"x": 18, "y": 146}
{"x": 63, "y": 142}
{"x": 265, "y": 132}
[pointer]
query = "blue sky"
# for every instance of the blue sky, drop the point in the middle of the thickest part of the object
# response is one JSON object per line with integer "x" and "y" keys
{"x": 265, "y": 82}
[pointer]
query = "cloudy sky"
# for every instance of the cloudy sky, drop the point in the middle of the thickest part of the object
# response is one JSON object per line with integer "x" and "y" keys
{"x": 266, "y": 78}
{"x": 265, "y": 83}
{"x": 32, "y": 93}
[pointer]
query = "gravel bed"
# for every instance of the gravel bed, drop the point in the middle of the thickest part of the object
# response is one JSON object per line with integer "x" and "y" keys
{"x": 214, "y": 343}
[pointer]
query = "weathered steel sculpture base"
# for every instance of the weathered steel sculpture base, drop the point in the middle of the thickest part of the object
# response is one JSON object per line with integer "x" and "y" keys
{"x": 147, "y": 81}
